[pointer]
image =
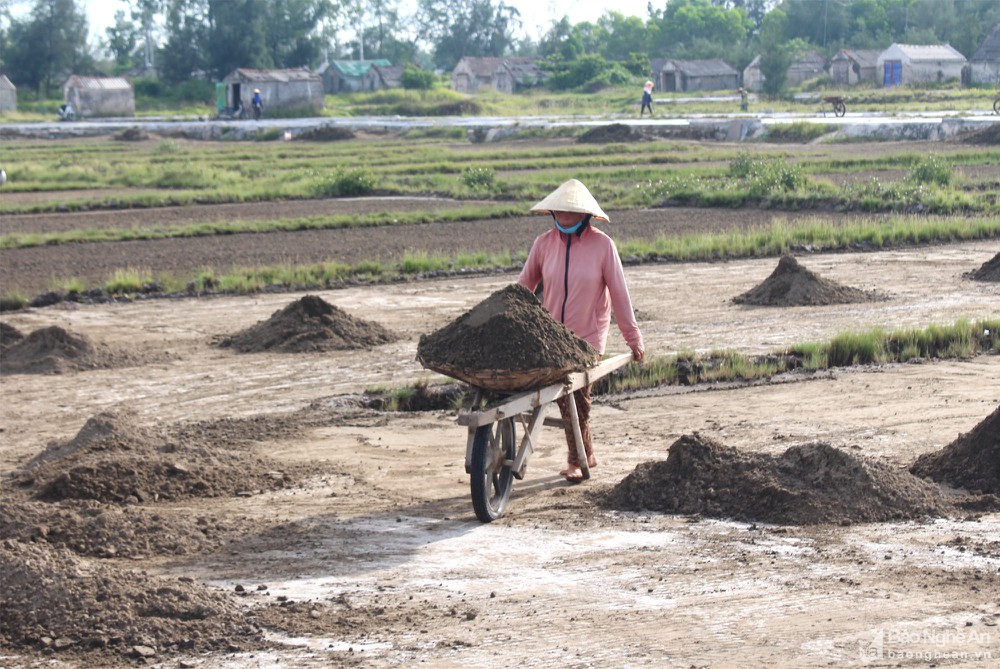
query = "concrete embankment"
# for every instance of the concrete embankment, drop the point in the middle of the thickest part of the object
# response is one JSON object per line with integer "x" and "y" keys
{"x": 734, "y": 128}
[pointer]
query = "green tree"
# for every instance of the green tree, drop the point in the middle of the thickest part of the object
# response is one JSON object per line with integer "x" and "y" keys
{"x": 685, "y": 21}
{"x": 587, "y": 73}
{"x": 145, "y": 13}
{"x": 622, "y": 35}
{"x": 121, "y": 39}
{"x": 48, "y": 45}
{"x": 561, "y": 41}
{"x": 187, "y": 33}
{"x": 459, "y": 28}
{"x": 776, "y": 53}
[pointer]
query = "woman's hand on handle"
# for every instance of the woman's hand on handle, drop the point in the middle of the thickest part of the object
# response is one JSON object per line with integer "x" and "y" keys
{"x": 638, "y": 353}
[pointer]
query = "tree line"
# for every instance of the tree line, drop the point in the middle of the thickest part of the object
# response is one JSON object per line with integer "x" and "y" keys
{"x": 182, "y": 39}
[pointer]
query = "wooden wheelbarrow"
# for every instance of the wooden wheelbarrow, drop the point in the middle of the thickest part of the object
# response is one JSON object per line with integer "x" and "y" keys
{"x": 839, "y": 104}
{"x": 497, "y": 404}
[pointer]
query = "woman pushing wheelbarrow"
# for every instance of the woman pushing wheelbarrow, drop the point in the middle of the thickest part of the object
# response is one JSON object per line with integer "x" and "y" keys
{"x": 582, "y": 277}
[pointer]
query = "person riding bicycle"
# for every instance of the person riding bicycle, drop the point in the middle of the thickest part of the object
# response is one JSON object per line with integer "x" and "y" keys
{"x": 257, "y": 103}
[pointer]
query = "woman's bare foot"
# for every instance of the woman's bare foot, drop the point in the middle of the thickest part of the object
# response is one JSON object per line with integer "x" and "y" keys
{"x": 574, "y": 473}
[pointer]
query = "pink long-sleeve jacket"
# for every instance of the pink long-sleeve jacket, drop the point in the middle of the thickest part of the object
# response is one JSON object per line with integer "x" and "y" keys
{"x": 583, "y": 279}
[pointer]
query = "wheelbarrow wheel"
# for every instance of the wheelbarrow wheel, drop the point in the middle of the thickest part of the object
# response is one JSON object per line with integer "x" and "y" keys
{"x": 493, "y": 450}
{"x": 839, "y": 108}
{"x": 996, "y": 106}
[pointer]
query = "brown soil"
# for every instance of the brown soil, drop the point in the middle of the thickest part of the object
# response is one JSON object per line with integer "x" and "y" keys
{"x": 612, "y": 133}
{"x": 807, "y": 484}
{"x": 792, "y": 285}
{"x": 326, "y": 134}
{"x": 30, "y": 270}
{"x": 362, "y": 549}
{"x": 115, "y": 459}
{"x": 48, "y": 592}
{"x": 9, "y": 335}
{"x": 971, "y": 462}
{"x": 53, "y": 350}
{"x": 509, "y": 331}
{"x": 309, "y": 324}
{"x": 989, "y": 271}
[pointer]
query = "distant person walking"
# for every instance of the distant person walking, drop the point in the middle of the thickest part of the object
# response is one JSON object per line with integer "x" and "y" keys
{"x": 258, "y": 104}
{"x": 647, "y": 99}
{"x": 744, "y": 104}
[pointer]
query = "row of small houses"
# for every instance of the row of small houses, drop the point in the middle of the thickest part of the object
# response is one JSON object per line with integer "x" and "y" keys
{"x": 302, "y": 89}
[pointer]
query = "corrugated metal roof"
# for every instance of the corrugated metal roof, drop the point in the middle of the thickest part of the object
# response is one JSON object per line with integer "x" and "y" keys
{"x": 712, "y": 67}
{"x": 357, "y": 68}
{"x": 989, "y": 50}
{"x": 486, "y": 66}
{"x": 863, "y": 57}
{"x": 935, "y": 52}
{"x": 283, "y": 76}
{"x": 99, "y": 83}
{"x": 6, "y": 84}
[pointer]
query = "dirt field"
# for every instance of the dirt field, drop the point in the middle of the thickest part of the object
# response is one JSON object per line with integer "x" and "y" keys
{"x": 350, "y": 539}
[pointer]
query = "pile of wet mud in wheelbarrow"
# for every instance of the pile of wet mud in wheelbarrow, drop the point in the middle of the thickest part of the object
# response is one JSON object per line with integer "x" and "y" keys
{"x": 507, "y": 342}
{"x": 815, "y": 483}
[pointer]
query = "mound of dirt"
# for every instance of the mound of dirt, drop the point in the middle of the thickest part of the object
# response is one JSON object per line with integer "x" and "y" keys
{"x": 53, "y": 600}
{"x": 509, "y": 331}
{"x": 132, "y": 135}
{"x": 971, "y": 462}
{"x": 109, "y": 531}
{"x": 53, "y": 350}
{"x": 309, "y": 325}
{"x": 611, "y": 133}
{"x": 989, "y": 135}
{"x": 988, "y": 271}
{"x": 326, "y": 134}
{"x": 114, "y": 459}
{"x": 9, "y": 335}
{"x": 791, "y": 284}
{"x": 807, "y": 484}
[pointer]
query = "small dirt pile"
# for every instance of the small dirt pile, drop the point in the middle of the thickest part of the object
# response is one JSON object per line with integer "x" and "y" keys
{"x": 507, "y": 339}
{"x": 990, "y": 136}
{"x": 611, "y": 134}
{"x": 51, "y": 599}
{"x": 114, "y": 459}
{"x": 326, "y": 133}
{"x": 989, "y": 271}
{"x": 971, "y": 462}
{"x": 9, "y": 335}
{"x": 132, "y": 135}
{"x": 110, "y": 531}
{"x": 309, "y": 325}
{"x": 807, "y": 484}
{"x": 791, "y": 284}
{"x": 53, "y": 350}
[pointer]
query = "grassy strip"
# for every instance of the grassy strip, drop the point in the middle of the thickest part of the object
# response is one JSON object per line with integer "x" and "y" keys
{"x": 816, "y": 234}
{"x": 777, "y": 239}
{"x": 229, "y": 227}
{"x": 964, "y": 340}
{"x": 629, "y": 174}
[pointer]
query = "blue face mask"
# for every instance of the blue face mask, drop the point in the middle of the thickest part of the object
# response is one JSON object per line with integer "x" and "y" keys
{"x": 573, "y": 229}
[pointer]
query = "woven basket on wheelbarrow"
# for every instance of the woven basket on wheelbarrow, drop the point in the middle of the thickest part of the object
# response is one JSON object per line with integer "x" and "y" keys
{"x": 502, "y": 380}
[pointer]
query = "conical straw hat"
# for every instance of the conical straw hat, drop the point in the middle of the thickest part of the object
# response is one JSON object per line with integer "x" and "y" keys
{"x": 571, "y": 196}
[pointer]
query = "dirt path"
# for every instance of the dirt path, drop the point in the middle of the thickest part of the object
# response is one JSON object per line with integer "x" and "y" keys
{"x": 388, "y": 554}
